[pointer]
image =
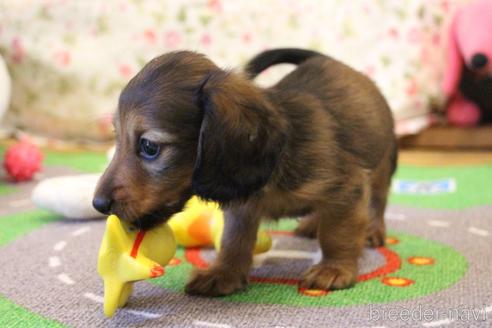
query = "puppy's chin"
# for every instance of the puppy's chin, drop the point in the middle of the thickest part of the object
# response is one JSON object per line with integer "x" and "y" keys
{"x": 150, "y": 220}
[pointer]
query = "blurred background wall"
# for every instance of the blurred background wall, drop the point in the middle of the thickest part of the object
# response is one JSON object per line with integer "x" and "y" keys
{"x": 68, "y": 60}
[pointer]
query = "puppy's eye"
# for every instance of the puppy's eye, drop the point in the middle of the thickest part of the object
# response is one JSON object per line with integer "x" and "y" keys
{"x": 149, "y": 150}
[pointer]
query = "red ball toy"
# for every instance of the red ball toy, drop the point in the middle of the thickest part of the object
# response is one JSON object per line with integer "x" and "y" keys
{"x": 22, "y": 161}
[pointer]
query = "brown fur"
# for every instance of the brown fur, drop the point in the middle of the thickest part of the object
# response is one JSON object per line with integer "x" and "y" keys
{"x": 318, "y": 144}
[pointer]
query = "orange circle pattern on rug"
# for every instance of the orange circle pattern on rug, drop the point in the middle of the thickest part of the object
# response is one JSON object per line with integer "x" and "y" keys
{"x": 421, "y": 260}
{"x": 313, "y": 292}
{"x": 397, "y": 281}
{"x": 392, "y": 241}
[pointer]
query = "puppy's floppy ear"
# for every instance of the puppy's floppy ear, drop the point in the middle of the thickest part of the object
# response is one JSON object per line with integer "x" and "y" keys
{"x": 240, "y": 141}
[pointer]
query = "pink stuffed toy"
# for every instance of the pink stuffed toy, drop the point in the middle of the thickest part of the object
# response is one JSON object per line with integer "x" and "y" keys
{"x": 468, "y": 73}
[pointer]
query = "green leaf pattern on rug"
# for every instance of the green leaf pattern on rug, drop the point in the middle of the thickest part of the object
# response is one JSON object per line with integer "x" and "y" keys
{"x": 87, "y": 162}
{"x": 472, "y": 186}
{"x": 14, "y": 315}
{"x": 17, "y": 225}
{"x": 83, "y": 161}
{"x": 13, "y": 227}
{"x": 6, "y": 189}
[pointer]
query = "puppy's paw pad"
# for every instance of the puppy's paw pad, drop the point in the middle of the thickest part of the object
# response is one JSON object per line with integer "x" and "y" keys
{"x": 215, "y": 282}
{"x": 325, "y": 277}
{"x": 376, "y": 238}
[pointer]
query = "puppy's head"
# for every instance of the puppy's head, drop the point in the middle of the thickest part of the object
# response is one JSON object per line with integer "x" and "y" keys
{"x": 185, "y": 127}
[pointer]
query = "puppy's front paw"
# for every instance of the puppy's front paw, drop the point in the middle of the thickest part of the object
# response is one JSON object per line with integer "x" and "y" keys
{"x": 215, "y": 282}
{"x": 325, "y": 276}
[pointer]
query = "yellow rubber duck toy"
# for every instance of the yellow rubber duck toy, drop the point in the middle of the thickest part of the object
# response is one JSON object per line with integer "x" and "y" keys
{"x": 128, "y": 255}
{"x": 202, "y": 223}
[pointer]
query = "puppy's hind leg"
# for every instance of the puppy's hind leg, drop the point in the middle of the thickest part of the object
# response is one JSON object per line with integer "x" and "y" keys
{"x": 376, "y": 231}
{"x": 380, "y": 184}
{"x": 341, "y": 234}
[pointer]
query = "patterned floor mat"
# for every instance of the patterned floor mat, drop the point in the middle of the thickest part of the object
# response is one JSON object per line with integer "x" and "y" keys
{"x": 435, "y": 270}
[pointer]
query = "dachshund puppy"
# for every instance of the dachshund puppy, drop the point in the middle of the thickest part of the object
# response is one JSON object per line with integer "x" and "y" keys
{"x": 319, "y": 145}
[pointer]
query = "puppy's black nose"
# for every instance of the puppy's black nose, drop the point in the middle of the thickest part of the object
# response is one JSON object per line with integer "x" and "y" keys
{"x": 479, "y": 60}
{"x": 102, "y": 204}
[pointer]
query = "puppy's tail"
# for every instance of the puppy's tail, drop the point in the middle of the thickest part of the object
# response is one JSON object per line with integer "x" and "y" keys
{"x": 277, "y": 56}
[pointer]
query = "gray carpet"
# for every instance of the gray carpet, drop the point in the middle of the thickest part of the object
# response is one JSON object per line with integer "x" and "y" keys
{"x": 48, "y": 276}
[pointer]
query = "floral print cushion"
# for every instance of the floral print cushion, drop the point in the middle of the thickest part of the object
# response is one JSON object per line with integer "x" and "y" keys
{"x": 70, "y": 59}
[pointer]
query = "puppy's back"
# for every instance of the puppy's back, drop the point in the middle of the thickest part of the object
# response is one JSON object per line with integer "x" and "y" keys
{"x": 361, "y": 116}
